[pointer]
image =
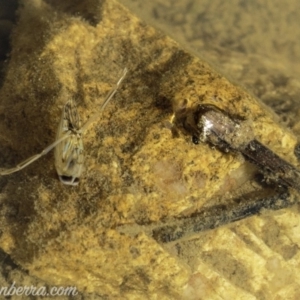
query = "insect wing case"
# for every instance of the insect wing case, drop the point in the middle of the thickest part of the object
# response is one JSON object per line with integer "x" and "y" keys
{"x": 69, "y": 155}
{"x": 217, "y": 128}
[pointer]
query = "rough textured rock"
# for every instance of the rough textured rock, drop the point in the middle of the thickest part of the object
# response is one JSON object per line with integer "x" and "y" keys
{"x": 136, "y": 172}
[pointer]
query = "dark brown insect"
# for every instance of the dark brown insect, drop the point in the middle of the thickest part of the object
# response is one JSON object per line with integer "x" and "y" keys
{"x": 212, "y": 125}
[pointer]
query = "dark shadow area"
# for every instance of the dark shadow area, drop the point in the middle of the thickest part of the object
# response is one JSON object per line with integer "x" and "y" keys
{"x": 8, "y": 17}
{"x": 89, "y": 10}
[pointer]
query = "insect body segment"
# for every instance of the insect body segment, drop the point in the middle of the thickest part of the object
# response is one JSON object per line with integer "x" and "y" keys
{"x": 69, "y": 156}
{"x": 217, "y": 128}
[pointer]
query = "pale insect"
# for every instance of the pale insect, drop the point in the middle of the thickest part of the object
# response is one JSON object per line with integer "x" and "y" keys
{"x": 69, "y": 154}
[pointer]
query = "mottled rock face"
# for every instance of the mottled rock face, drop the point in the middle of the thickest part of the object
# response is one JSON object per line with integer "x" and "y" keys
{"x": 136, "y": 172}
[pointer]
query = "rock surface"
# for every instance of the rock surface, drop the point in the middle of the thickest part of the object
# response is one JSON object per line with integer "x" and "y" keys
{"x": 136, "y": 172}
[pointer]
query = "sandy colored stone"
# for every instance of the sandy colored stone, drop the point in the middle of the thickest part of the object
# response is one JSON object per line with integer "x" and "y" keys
{"x": 136, "y": 172}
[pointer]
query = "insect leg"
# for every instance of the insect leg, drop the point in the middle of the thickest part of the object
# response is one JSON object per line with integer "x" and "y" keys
{"x": 216, "y": 216}
{"x": 271, "y": 163}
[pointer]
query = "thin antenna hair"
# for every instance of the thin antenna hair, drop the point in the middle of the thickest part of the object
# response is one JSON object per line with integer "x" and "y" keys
{"x": 109, "y": 96}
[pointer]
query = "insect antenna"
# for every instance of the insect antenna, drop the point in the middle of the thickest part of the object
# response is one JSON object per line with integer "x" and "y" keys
{"x": 33, "y": 158}
{"x": 105, "y": 102}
